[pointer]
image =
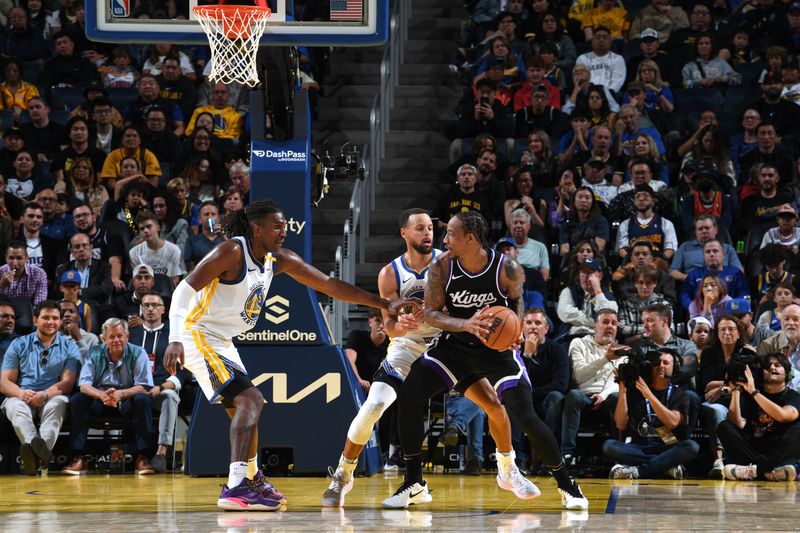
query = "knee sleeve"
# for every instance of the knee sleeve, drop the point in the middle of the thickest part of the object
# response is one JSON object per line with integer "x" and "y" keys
{"x": 519, "y": 404}
{"x": 379, "y": 399}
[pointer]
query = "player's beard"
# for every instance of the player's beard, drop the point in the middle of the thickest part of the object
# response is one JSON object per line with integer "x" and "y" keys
{"x": 423, "y": 249}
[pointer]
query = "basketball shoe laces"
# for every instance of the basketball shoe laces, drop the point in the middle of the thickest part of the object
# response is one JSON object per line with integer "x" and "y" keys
{"x": 336, "y": 481}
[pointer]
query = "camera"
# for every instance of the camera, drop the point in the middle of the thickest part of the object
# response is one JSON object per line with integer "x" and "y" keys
{"x": 734, "y": 372}
{"x": 638, "y": 366}
{"x": 346, "y": 166}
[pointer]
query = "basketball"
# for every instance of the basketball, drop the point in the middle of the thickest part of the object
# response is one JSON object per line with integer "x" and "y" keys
{"x": 505, "y": 328}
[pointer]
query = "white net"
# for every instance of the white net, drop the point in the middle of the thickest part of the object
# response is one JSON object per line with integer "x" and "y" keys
{"x": 233, "y": 33}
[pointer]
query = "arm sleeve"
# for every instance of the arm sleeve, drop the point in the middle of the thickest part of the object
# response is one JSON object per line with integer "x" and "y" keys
{"x": 179, "y": 307}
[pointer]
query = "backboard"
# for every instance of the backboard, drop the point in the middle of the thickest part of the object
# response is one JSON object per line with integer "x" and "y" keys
{"x": 337, "y": 23}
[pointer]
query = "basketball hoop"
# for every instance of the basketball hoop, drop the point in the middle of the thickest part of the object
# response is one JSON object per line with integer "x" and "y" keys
{"x": 233, "y": 32}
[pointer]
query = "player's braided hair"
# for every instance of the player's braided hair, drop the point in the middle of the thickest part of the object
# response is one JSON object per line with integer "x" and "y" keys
{"x": 237, "y": 223}
{"x": 473, "y": 222}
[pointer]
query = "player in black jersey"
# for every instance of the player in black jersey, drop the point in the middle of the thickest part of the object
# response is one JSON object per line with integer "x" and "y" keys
{"x": 462, "y": 283}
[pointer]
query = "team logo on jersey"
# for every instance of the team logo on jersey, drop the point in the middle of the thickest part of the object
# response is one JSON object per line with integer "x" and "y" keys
{"x": 470, "y": 299}
{"x": 252, "y": 305}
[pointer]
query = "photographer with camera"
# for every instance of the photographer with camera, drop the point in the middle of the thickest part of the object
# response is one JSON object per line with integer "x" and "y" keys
{"x": 761, "y": 433}
{"x": 729, "y": 340}
{"x": 655, "y": 413}
{"x": 594, "y": 359}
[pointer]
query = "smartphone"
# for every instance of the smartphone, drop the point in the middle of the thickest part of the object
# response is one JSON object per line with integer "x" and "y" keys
{"x": 212, "y": 225}
{"x": 484, "y": 100}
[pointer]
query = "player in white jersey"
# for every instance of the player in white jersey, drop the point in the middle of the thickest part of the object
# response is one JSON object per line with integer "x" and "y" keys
{"x": 221, "y": 298}
{"x": 405, "y": 277}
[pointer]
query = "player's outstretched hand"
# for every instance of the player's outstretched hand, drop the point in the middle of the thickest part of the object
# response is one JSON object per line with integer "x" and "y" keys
{"x": 172, "y": 356}
{"x": 401, "y": 306}
{"x": 479, "y": 323}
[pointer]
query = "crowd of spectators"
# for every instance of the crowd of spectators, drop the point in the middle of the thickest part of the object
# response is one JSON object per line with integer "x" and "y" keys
{"x": 117, "y": 165}
{"x": 641, "y": 158}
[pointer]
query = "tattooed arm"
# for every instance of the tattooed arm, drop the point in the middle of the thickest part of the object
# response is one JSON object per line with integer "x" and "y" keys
{"x": 435, "y": 300}
{"x": 512, "y": 278}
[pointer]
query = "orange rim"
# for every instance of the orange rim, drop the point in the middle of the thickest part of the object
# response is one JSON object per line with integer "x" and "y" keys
{"x": 236, "y": 20}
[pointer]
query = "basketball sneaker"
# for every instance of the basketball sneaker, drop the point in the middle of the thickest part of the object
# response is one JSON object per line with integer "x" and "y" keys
{"x": 267, "y": 489}
{"x": 572, "y": 498}
{"x": 741, "y": 472}
{"x": 338, "y": 489}
{"x": 245, "y": 497}
{"x": 512, "y": 479}
{"x": 408, "y": 494}
{"x": 782, "y": 473}
{"x": 624, "y": 472}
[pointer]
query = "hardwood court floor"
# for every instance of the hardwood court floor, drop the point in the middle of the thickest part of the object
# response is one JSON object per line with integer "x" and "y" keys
{"x": 168, "y": 503}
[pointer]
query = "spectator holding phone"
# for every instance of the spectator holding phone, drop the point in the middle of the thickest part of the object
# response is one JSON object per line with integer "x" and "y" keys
{"x": 211, "y": 234}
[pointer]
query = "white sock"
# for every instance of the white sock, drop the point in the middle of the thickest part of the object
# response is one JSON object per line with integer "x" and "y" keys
{"x": 252, "y": 467}
{"x": 505, "y": 460}
{"x": 237, "y": 472}
{"x": 392, "y": 449}
{"x": 348, "y": 465}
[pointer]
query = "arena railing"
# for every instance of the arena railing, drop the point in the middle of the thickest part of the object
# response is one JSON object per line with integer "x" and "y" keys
{"x": 362, "y": 200}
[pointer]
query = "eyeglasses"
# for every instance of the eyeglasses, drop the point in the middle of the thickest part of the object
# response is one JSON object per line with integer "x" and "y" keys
{"x": 100, "y": 111}
{"x": 45, "y": 355}
{"x": 151, "y": 306}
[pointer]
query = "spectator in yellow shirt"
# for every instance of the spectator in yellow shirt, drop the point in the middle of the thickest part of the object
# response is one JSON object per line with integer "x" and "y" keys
{"x": 228, "y": 123}
{"x": 611, "y": 16}
{"x": 14, "y": 92}
{"x": 131, "y": 147}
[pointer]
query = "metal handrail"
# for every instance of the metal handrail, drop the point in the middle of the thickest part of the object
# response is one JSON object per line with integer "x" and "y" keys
{"x": 362, "y": 199}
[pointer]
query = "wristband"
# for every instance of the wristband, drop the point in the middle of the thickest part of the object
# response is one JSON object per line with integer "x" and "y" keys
{"x": 755, "y": 393}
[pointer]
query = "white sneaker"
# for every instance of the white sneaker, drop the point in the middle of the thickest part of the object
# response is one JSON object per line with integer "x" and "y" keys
{"x": 718, "y": 470}
{"x": 408, "y": 494}
{"x": 573, "y": 498}
{"x": 338, "y": 489}
{"x": 676, "y": 472}
{"x": 513, "y": 480}
{"x": 624, "y": 472}
{"x": 782, "y": 473}
{"x": 741, "y": 472}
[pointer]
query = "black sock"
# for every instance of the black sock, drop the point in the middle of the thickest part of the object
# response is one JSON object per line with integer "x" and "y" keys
{"x": 413, "y": 468}
{"x": 561, "y": 476}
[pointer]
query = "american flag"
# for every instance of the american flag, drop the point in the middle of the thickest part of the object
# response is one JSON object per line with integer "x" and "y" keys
{"x": 349, "y": 10}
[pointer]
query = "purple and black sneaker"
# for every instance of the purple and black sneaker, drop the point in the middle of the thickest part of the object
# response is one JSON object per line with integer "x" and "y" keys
{"x": 267, "y": 489}
{"x": 245, "y": 497}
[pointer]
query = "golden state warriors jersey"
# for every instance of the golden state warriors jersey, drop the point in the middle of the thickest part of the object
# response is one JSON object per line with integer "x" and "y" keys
{"x": 411, "y": 284}
{"x": 226, "y": 309}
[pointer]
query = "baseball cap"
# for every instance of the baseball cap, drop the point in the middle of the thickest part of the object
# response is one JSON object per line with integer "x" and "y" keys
{"x": 70, "y": 276}
{"x": 699, "y": 320}
{"x": 649, "y": 34}
{"x": 540, "y": 88}
{"x": 644, "y": 187}
{"x": 596, "y": 162}
{"x": 791, "y": 64}
{"x": 690, "y": 166}
{"x": 794, "y": 7}
{"x": 705, "y": 170}
{"x": 138, "y": 270}
{"x": 504, "y": 243}
{"x": 773, "y": 76}
{"x": 497, "y": 62}
{"x": 590, "y": 263}
{"x": 786, "y": 209}
{"x": 14, "y": 131}
{"x": 738, "y": 306}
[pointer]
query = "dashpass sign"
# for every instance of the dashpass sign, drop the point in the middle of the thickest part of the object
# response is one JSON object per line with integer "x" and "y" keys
{"x": 347, "y": 10}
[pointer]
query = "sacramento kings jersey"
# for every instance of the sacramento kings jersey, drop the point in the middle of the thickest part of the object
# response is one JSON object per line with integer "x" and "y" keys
{"x": 226, "y": 309}
{"x": 469, "y": 292}
{"x": 411, "y": 284}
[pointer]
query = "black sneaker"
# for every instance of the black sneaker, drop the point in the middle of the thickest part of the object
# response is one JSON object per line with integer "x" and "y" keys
{"x": 474, "y": 467}
{"x": 395, "y": 463}
{"x": 42, "y": 452}
{"x": 450, "y": 435}
{"x": 28, "y": 459}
